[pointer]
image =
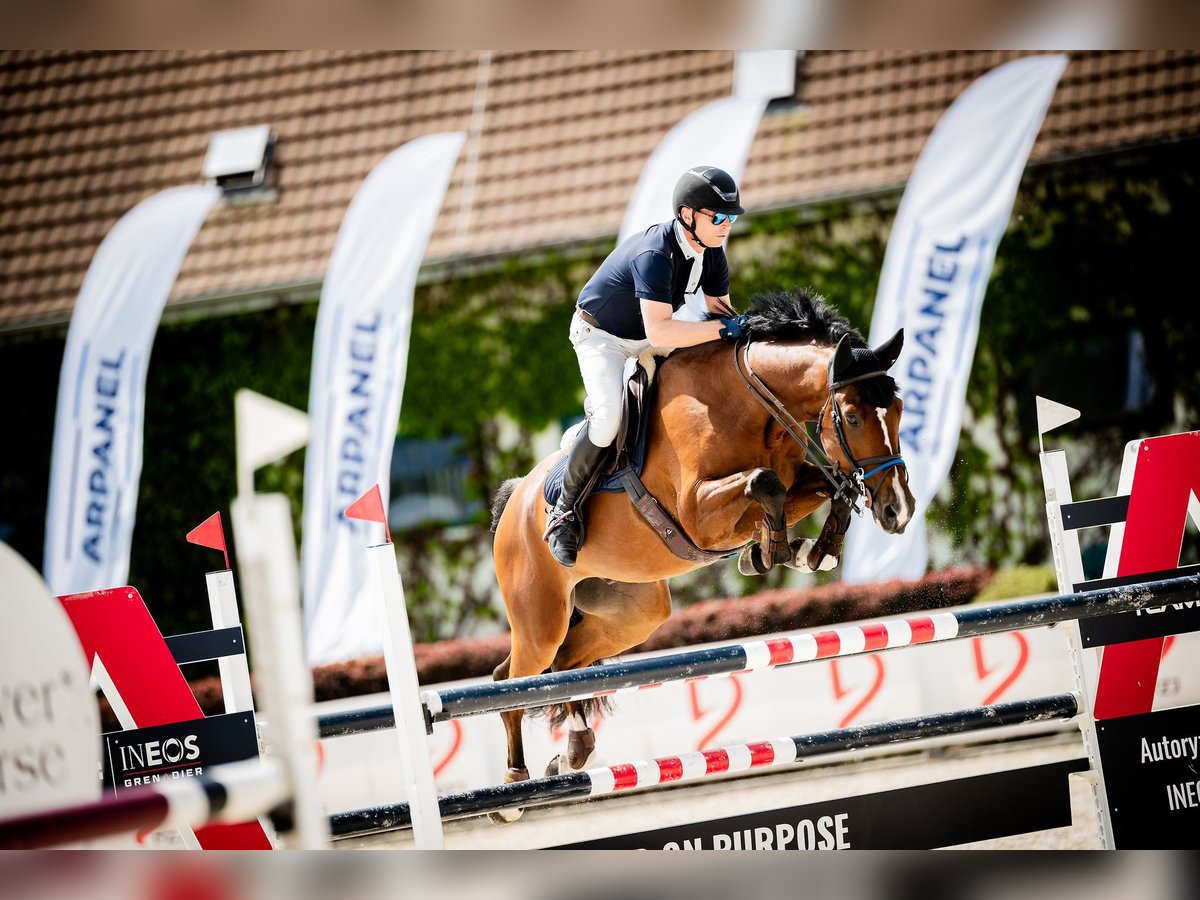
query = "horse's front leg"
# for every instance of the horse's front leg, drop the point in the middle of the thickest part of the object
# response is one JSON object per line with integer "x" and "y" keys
{"x": 825, "y": 552}
{"x": 809, "y": 493}
{"x": 762, "y": 488}
{"x": 722, "y": 512}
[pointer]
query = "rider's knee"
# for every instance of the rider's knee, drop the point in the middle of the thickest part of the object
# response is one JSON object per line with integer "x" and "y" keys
{"x": 603, "y": 423}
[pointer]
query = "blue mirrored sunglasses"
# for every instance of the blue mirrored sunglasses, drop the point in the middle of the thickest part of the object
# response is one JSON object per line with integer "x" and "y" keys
{"x": 719, "y": 218}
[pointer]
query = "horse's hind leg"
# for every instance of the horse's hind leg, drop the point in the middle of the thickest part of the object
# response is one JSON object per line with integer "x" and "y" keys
{"x": 538, "y": 613}
{"x": 512, "y": 731}
{"x": 581, "y": 741}
{"x": 616, "y": 617}
{"x": 517, "y": 665}
{"x": 516, "y": 748}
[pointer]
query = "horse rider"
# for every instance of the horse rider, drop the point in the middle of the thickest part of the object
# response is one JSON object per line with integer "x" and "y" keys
{"x": 627, "y": 306}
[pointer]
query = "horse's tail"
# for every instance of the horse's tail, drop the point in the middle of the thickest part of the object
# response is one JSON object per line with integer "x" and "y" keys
{"x": 556, "y": 715}
{"x": 501, "y": 500}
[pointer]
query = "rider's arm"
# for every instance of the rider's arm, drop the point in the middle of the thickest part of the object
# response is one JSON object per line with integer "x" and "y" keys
{"x": 715, "y": 281}
{"x": 663, "y": 331}
{"x": 719, "y": 306}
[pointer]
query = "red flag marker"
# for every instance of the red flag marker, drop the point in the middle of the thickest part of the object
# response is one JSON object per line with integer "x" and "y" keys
{"x": 209, "y": 533}
{"x": 370, "y": 508}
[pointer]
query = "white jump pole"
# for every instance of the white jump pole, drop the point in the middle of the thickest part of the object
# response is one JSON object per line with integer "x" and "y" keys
{"x": 270, "y": 574}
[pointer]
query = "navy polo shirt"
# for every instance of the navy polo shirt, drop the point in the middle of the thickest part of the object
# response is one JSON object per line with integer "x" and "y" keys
{"x": 650, "y": 266}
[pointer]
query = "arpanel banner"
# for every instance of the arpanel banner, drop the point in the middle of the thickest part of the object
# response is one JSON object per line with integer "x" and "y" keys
{"x": 97, "y": 456}
{"x": 939, "y": 257}
{"x": 360, "y": 356}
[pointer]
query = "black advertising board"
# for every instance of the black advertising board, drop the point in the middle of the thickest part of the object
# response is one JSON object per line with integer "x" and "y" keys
{"x": 148, "y": 755}
{"x": 942, "y": 814}
{"x": 1152, "y": 778}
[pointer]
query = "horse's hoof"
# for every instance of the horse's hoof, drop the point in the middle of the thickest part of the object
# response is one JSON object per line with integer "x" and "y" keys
{"x": 555, "y": 766}
{"x": 508, "y": 816}
{"x": 581, "y": 750}
{"x": 801, "y": 561}
{"x": 750, "y": 561}
{"x": 800, "y": 551}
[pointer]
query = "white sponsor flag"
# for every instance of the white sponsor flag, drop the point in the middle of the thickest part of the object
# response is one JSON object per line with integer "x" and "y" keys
{"x": 718, "y": 134}
{"x": 97, "y": 456}
{"x": 360, "y": 357}
{"x": 940, "y": 252}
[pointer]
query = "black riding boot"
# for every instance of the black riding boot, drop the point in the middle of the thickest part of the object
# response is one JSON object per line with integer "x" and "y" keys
{"x": 564, "y": 530}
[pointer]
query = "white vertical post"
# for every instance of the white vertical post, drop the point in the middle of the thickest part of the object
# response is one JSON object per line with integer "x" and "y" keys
{"x": 235, "y": 670}
{"x": 416, "y": 769}
{"x": 1116, "y": 533}
{"x": 1068, "y": 567}
{"x": 1068, "y": 562}
{"x": 262, "y": 524}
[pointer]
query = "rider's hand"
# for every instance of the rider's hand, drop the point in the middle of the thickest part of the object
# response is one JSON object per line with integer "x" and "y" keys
{"x": 734, "y": 327}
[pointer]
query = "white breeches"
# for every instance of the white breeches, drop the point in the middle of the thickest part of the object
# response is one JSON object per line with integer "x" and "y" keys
{"x": 602, "y": 358}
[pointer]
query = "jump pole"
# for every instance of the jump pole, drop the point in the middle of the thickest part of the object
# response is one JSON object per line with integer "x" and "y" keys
{"x": 235, "y": 792}
{"x": 852, "y": 640}
{"x": 235, "y": 674}
{"x": 763, "y": 755}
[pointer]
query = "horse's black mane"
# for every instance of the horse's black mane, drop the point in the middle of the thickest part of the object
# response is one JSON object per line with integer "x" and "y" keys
{"x": 784, "y": 315}
{"x": 798, "y": 314}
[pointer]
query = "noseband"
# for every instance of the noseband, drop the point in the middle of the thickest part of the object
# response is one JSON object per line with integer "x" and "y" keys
{"x": 847, "y": 487}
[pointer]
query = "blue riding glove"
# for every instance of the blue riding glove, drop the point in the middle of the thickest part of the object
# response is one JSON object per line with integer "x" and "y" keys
{"x": 734, "y": 327}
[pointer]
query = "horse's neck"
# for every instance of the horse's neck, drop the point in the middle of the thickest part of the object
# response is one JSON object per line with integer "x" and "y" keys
{"x": 797, "y": 374}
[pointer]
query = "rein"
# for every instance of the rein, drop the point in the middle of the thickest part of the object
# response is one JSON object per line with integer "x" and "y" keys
{"x": 847, "y": 487}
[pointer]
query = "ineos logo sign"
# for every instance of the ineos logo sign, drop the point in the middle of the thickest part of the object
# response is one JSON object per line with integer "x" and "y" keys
{"x": 153, "y": 754}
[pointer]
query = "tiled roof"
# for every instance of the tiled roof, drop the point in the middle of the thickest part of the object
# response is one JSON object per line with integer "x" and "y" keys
{"x": 561, "y": 139}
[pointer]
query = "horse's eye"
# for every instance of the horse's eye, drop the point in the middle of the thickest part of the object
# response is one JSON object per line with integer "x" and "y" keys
{"x": 852, "y": 420}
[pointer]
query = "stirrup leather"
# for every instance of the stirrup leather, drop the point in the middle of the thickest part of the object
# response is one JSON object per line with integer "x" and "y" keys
{"x": 553, "y": 523}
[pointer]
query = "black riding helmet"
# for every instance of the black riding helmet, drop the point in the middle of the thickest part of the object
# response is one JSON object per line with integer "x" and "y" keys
{"x": 705, "y": 187}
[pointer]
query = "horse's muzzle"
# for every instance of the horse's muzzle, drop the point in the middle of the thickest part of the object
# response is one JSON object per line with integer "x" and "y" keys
{"x": 893, "y": 507}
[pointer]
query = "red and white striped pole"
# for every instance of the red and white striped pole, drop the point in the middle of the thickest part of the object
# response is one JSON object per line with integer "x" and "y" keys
{"x": 237, "y": 792}
{"x": 635, "y": 675}
{"x": 776, "y": 753}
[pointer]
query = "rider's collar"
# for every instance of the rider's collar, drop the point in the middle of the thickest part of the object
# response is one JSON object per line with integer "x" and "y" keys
{"x": 688, "y": 251}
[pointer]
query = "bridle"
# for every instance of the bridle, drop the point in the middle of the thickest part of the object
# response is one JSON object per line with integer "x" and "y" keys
{"x": 847, "y": 487}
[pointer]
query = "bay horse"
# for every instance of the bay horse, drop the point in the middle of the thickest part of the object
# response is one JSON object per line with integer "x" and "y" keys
{"x": 729, "y": 458}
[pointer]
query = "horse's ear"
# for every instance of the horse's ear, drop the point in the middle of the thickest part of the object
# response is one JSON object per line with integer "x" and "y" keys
{"x": 889, "y": 352}
{"x": 842, "y": 358}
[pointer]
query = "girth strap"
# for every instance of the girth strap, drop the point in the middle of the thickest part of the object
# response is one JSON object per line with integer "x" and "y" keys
{"x": 664, "y": 526}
